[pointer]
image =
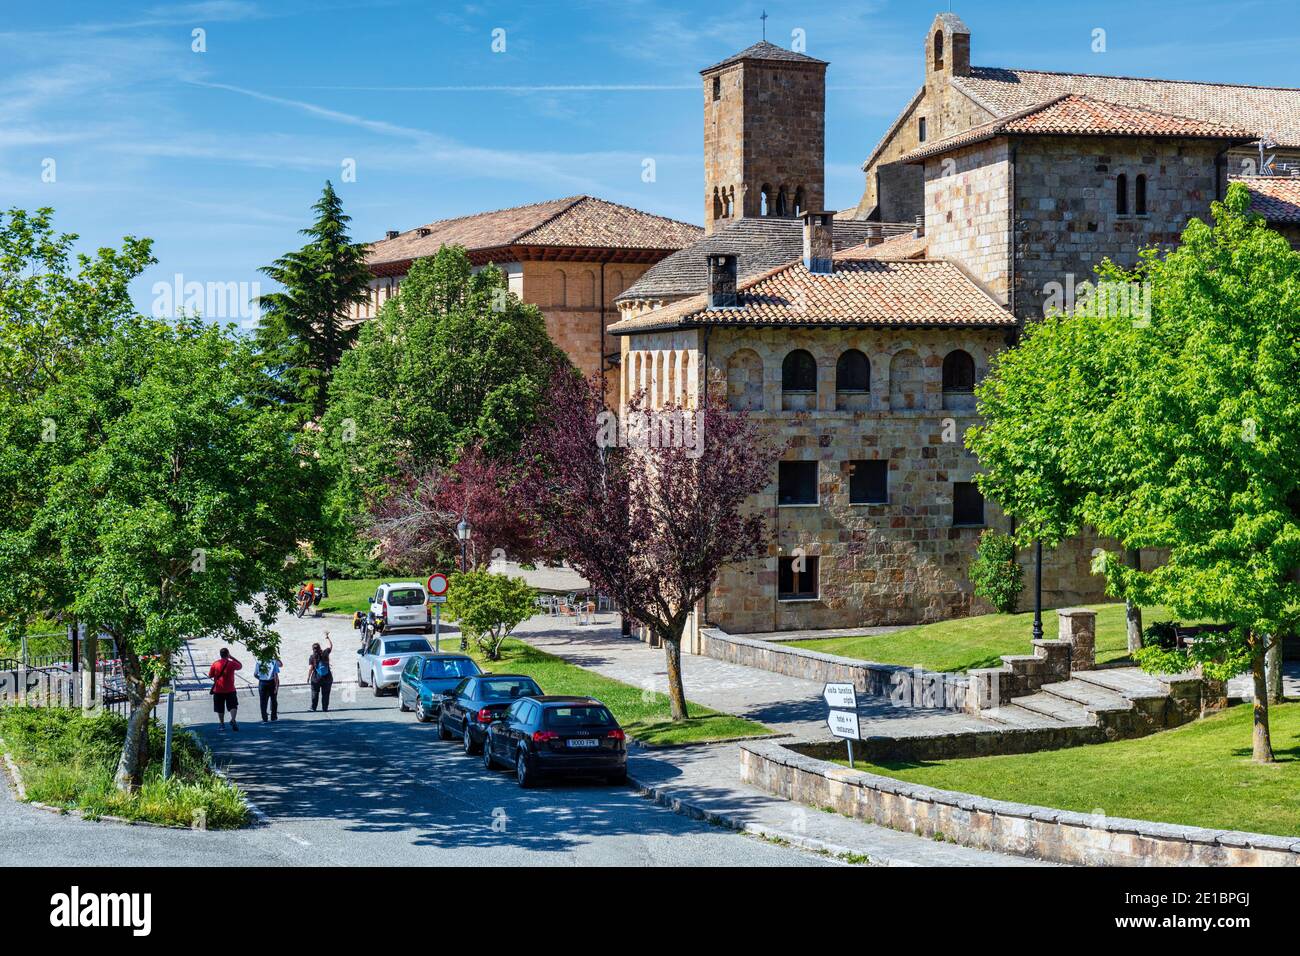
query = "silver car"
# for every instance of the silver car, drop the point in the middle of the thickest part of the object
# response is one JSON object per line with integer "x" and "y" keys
{"x": 380, "y": 662}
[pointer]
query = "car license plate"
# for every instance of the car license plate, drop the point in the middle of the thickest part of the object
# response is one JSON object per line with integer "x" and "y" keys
{"x": 583, "y": 742}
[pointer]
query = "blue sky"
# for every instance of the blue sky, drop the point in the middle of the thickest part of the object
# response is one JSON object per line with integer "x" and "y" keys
{"x": 217, "y": 155}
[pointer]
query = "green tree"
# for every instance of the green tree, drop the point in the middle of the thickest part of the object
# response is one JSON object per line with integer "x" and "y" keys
{"x": 488, "y": 606}
{"x": 994, "y": 572}
{"x": 303, "y": 332}
{"x": 171, "y": 494}
{"x": 1178, "y": 433}
{"x": 453, "y": 359}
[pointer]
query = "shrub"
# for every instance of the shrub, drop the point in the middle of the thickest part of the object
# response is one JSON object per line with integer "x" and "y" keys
{"x": 488, "y": 607}
{"x": 1162, "y": 634}
{"x": 994, "y": 571}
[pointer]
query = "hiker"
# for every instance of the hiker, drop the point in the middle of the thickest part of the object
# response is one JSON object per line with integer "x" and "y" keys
{"x": 224, "y": 696}
{"x": 320, "y": 675}
{"x": 267, "y": 673}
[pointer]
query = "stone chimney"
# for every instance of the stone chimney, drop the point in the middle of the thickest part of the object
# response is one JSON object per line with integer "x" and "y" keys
{"x": 722, "y": 281}
{"x": 819, "y": 241}
{"x": 920, "y": 226}
{"x": 392, "y": 233}
{"x": 875, "y": 233}
{"x": 422, "y": 232}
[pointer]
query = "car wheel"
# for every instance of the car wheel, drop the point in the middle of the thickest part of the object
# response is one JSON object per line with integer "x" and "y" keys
{"x": 360, "y": 682}
{"x": 489, "y": 762}
{"x": 467, "y": 741}
{"x": 524, "y": 773}
{"x": 421, "y": 714}
{"x": 374, "y": 683}
{"x": 401, "y": 703}
{"x": 443, "y": 732}
{"x": 618, "y": 777}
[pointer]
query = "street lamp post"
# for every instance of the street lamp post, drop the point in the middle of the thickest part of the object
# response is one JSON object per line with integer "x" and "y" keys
{"x": 1038, "y": 590}
{"x": 463, "y": 531}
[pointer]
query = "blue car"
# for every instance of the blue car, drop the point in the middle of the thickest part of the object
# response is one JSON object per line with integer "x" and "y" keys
{"x": 427, "y": 677}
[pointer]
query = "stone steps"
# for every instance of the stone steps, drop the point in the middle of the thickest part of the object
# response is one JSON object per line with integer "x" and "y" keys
{"x": 1013, "y": 715}
{"x": 1096, "y": 698}
{"x": 1057, "y": 708}
{"x": 1131, "y": 683}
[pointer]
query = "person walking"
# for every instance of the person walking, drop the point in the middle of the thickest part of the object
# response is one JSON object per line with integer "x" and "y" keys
{"x": 320, "y": 674}
{"x": 224, "y": 695}
{"x": 267, "y": 673}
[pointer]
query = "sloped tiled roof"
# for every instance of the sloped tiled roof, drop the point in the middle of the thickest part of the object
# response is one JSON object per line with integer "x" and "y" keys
{"x": 861, "y": 291}
{"x": 1265, "y": 111}
{"x": 758, "y": 243}
{"x": 763, "y": 50}
{"x": 905, "y": 246}
{"x": 1276, "y": 198}
{"x": 577, "y": 221}
{"x": 1071, "y": 114}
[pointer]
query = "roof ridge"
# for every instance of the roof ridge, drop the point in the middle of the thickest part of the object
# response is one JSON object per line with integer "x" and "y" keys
{"x": 1139, "y": 79}
{"x": 564, "y": 209}
{"x": 568, "y": 200}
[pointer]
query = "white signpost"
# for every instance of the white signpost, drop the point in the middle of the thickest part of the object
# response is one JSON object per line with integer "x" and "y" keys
{"x": 842, "y": 719}
{"x": 436, "y": 587}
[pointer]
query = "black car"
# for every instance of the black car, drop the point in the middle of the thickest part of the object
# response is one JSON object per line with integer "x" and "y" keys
{"x": 542, "y": 736}
{"x": 475, "y": 702}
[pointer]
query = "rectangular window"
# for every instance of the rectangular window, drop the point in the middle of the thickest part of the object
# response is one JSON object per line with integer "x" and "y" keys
{"x": 920, "y": 129}
{"x": 868, "y": 482}
{"x": 796, "y": 483}
{"x": 717, "y": 87}
{"x": 797, "y": 579}
{"x": 967, "y": 504}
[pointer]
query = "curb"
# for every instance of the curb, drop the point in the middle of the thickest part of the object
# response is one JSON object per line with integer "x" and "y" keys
{"x": 664, "y": 797}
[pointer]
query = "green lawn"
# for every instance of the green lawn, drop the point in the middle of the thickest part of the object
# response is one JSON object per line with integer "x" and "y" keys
{"x": 348, "y": 596}
{"x": 1200, "y": 774}
{"x": 643, "y": 714}
{"x": 968, "y": 642}
{"x": 68, "y": 761}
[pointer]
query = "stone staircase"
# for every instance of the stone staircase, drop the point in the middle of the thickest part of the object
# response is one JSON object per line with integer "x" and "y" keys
{"x": 1120, "y": 702}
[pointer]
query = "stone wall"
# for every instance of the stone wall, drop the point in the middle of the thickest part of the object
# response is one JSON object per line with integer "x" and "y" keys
{"x": 1044, "y": 833}
{"x": 968, "y": 212}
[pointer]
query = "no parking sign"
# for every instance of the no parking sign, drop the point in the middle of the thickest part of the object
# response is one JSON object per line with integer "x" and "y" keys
{"x": 437, "y": 588}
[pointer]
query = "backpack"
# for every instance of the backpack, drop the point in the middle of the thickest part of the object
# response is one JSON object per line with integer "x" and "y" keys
{"x": 322, "y": 666}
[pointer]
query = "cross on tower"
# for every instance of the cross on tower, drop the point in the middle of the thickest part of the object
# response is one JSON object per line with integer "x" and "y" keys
{"x": 764, "y": 19}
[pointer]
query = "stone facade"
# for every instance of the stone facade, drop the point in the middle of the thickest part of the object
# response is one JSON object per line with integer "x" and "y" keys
{"x": 764, "y": 130}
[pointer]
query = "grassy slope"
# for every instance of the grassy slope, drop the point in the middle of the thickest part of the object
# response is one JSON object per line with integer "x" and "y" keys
{"x": 1200, "y": 774}
{"x": 348, "y": 596}
{"x": 643, "y": 714}
{"x": 968, "y": 642}
{"x": 68, "y": 761}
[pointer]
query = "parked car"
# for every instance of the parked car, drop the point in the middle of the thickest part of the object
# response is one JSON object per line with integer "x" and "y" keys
{"x": 471, "y": 705}
{"x": 401, "y": 606}
{"x": 380, "y": 663}
{"x": 426, "y": 677}
{"x": 549, "y": 735}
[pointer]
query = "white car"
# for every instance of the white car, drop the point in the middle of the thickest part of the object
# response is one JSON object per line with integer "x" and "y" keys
{"x": 401, "y": 607}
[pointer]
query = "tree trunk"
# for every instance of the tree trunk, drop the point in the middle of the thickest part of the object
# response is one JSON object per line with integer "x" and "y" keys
{"x": 135, "y": 754}
{"x": 1273, "y": 669}
{"x": 1261, "y": 742}
{"x": 1133, "y": 613}
{"x": 676, "y": 692}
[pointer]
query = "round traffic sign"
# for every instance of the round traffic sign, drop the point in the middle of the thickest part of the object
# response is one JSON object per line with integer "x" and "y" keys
{"x": 437, "y": 584}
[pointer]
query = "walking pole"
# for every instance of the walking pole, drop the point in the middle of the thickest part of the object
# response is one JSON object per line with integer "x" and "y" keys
{"x": 167, "y": 737}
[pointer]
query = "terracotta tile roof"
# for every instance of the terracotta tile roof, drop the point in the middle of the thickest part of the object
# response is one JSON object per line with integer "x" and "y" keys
{"x": 577, "y": 221}
{"x": 861, "y": 291}
{"x": 764, "y": 50}
{"x": 905, "y": 246}
{"x": 1276, "y": 198}
{"x": 1265, "y": 111}
{"x": 1071, "y": 114}
{"x": 759, "y": 244}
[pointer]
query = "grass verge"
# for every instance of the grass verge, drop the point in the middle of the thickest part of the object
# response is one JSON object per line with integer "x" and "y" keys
{"x": 1200, "y": 774}
{"x": 970, "y": 642}
{"x": 644, "y": 714}
{"x": 68, "y": 760}
{"x": 349, "y": 596}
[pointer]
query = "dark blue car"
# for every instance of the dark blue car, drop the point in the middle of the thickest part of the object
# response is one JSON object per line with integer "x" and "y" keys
{"x": 468, "y": 708}
{"x": 557, "y": 736}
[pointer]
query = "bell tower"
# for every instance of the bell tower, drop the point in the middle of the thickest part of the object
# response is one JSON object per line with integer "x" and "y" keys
{"x": 764, "y": 135}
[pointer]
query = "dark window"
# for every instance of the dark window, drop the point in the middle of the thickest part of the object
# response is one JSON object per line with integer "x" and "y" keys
{"x": 852, "y": 372}
{"x": 578, "y": 715}
{"x": 920, "y": 129}
{"x": 868, "y": 482}
{"x": 967, "y": 504}
{"x": 958, "y": 372}
{"x": 780, "y": 201}
{"x": 799, "y": 372}
{"x": 717, "y": 87}
{"x": 765, "y": 200}
{"x": 1121, "y": 195}
{"x": 1140, "y": 196}
{"x": 796, "y": 578}
{"x": 938, "y": 50}
{"x": 796, "y": 483}
{"x": 798, "y": 201}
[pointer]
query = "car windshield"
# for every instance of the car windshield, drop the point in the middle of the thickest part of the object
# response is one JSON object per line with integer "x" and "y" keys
{"x": 507, "y": 688}
{"x": 413, "y": 646}
{"x": 405, "y": 597}
{"x": 577, "y": 715}
{"x": 444, "y": 667}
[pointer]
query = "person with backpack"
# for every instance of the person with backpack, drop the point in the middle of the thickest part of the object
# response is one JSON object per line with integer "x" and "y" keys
{"x": 320, "y": 675}
{"x": 224, "y": 695}
{"x": 267, "y": 673}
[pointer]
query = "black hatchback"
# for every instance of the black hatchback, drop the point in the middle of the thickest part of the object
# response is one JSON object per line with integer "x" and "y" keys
{"x": 554, "y": 736}
{"x": 469, "y": 707}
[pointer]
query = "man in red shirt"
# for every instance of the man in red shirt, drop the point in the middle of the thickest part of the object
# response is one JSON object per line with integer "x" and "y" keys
{"x": 224, "y": 696}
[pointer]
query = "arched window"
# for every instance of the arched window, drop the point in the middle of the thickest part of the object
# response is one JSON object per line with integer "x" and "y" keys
{"x": 558, "y": 294}
{"x": 1121, "y": 195}
{"x": 1140, "y": 195}
{"x": 765, "y": 200}
{"x": 799, "y": 372}
{"x": 718, "y": 212}
{"x": 852, "y": 372}
{"x": 798, "y": 201}
{"x": 938, "y": 49}
{"x": 588, "y": 288}
{"x": 780, "y": 202}
{"x": 958, "y": 372}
